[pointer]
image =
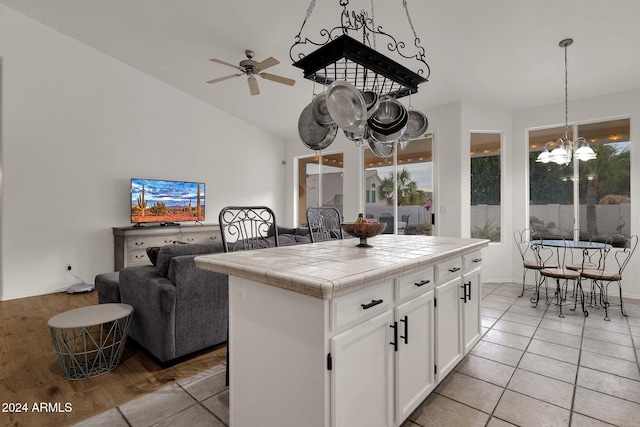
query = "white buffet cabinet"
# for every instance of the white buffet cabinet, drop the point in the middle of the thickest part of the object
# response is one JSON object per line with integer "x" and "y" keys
{"x": 344, "y": 342}
{"x": 130, "y": 244}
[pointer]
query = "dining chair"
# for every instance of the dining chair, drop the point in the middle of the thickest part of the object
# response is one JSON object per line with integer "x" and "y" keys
{"x": 389, "y": 220}
{"x": 588, "y": 258}
{"x": 616, "y": 255}
{"x": 562, "y": 275}
{"x": 247, "y": 228}
{"x": 534, "y": 257}
{"x": 324, "y": 224}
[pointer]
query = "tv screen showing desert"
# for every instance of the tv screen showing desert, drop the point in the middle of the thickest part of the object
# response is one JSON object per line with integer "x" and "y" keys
{"x": 166, "y": 201}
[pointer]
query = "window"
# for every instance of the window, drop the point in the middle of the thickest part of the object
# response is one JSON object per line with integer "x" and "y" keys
{"x": 316, "y": 174}
{"x": 410, "y": 200}
{"x": 590, "y": 196}
{"x": 485, "y": 186}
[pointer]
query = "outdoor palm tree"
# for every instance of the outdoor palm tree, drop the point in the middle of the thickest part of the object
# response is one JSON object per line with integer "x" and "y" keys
{"x": 408, "y": 191}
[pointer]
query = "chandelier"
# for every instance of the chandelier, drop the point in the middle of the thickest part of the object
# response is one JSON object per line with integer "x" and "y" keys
{"x": 566, "y": 148}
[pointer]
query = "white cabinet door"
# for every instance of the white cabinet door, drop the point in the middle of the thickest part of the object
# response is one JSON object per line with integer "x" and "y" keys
{"x": 361, "y": 374}
{"x": 471, "y": 309}
{"x": 449, "y": 349}
{"x": 414, "y": 368}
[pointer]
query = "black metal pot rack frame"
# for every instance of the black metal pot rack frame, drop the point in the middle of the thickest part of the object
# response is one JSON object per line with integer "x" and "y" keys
{"x": 341, "y": 57}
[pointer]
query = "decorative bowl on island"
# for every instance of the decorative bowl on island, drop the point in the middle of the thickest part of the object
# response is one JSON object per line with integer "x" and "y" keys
{"x": 363, "y": 230}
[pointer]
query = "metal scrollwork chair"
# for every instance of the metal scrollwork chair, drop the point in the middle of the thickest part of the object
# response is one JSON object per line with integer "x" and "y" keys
{"x": 534, "y": 258}
{"x": 562, "y": 276}
{"x": 246, "y": 228}
{"x": 591, "y": 254}
{"x": 616, "y": 255}
{"x": 324, "y": 224}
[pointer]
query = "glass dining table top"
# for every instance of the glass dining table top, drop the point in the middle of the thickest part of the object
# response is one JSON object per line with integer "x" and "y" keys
{"x": 571, "y": 244}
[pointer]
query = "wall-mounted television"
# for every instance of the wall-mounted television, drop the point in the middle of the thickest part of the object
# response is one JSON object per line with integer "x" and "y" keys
{"x": 166, "y": 202}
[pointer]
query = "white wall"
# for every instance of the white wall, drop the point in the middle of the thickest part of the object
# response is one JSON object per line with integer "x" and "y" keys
{"x": 477, "y": 117}
{"x": 77, "y": 125}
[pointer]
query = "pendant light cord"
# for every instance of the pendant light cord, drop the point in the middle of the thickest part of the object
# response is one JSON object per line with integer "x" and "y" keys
{"x": 566, "y": 98}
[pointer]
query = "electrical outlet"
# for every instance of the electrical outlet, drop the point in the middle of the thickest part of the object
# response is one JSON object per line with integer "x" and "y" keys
{"x": 242, "y": 291}
{"x": 68, "y": 267}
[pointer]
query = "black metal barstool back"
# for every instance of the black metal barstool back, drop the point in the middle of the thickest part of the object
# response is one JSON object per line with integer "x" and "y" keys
{"x": 324, "y": 224}
{"x": 246, "y": 228}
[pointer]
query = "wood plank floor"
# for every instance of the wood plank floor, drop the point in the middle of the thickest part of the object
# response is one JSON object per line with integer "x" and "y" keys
{"x": 30, "y": 372}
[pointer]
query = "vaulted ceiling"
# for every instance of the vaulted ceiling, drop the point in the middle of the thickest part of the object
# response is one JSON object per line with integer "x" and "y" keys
{"x": 502, "y": 53}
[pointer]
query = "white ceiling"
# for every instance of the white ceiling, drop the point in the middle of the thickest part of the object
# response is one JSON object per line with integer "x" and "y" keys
{"x": 503, "y": 53}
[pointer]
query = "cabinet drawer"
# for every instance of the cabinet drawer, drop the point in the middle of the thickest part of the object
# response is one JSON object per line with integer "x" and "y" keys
{"x": 472, "y": 260}
{"x": 201, "y": 237}
{"x": 447, "y": 270}
{"x": 137, "y": 257}
{"x": 144, "y": 242}
{"x": 362, "y": 305}
{"x": 415, "y": 284}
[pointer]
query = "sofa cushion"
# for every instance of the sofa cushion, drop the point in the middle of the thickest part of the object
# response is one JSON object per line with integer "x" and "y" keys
{"x": 108, "y": 286}
{"x": 286, "y": 239}
{"x": 169, "y": 251}
{"x": 301, "y": 231}
{"x": 303, "y": 238}
{"x": 284, "y": 230}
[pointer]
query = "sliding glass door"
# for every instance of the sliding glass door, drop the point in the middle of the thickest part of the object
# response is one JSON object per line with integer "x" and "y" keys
{"x": 320, "y": 175}
{"x": 399, "y": 189}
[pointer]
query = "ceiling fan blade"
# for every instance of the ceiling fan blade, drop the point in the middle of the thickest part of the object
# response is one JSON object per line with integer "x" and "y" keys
{"x": 227, "y": 64}
{"x": 219, "y": 79}
{"x": 253, "y": 85}
{"x": 278, "y": 79}
{"x": 269, "y": 62}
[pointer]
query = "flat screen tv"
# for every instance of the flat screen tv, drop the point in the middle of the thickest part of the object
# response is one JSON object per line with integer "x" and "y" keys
{"x": 166, "y": 202}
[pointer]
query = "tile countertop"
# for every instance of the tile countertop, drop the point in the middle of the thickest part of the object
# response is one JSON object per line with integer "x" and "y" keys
{"x": 332, "y": 269}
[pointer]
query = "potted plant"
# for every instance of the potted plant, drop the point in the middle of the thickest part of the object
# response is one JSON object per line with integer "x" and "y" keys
{"x": 426, "y": 228}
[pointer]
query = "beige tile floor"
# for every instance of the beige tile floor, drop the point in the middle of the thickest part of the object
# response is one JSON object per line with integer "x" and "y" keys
{"x": 531, "y": 368}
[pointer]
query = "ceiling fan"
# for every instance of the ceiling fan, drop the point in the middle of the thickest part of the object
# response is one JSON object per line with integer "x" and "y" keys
{"x": 251, "y": 69}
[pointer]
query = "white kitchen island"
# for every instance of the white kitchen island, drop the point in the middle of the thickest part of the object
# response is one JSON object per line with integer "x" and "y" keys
{"x": 328, "y": 334}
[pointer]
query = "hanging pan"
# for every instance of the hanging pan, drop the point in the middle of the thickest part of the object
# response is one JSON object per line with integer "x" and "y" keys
{"x": 381, "y": 149}
{"x": 320, "y": 111}
{"x": 314, "y": 135}
{"x": 417, "y": 125}
{"x": 346, "y": 106}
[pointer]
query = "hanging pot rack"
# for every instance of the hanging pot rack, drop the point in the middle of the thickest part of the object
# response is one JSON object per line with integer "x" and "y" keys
{"x": 338, "y": 56}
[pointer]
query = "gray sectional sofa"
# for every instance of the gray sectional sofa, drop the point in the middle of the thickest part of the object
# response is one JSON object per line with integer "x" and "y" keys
{"x": 179, "y": 309}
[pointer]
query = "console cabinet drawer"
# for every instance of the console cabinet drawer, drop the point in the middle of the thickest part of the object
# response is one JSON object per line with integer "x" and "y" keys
{"x": 201, "y": 237}
{"x": 360, "y": 306}
{"x": 447, "y": 270}
{"x": 144, "y": 242}
{"x": 137, "y": 257}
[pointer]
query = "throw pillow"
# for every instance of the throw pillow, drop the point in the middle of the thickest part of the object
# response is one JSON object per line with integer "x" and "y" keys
{"x": 152, "y": 253}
